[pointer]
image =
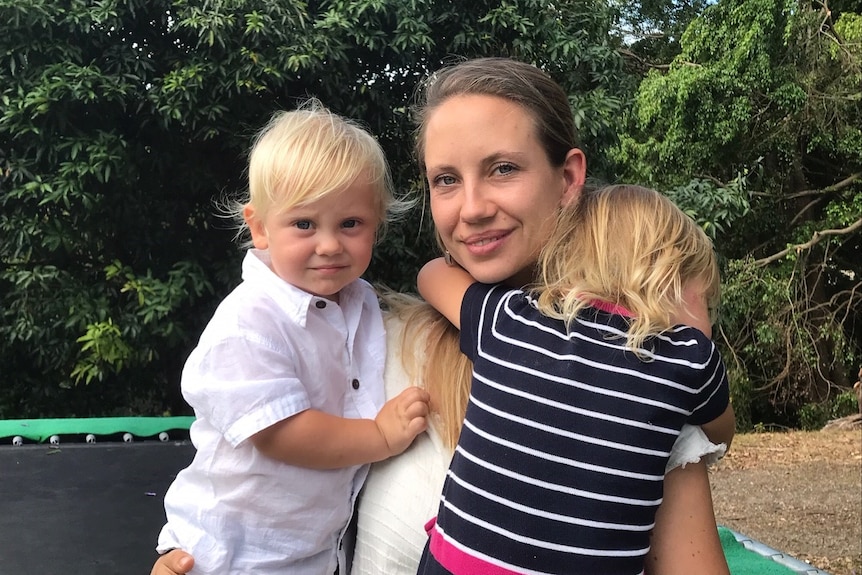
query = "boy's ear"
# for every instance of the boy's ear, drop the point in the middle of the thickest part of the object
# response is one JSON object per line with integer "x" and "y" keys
{"x": 257, "y": 228}
{"x": 574, "y": 176}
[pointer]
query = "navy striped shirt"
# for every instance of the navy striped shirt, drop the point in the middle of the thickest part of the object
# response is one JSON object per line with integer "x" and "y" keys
{"x": 560, "y": 463}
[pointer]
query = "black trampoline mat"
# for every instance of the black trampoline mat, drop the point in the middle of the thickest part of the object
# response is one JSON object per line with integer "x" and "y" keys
{"x": 85, "y": 508}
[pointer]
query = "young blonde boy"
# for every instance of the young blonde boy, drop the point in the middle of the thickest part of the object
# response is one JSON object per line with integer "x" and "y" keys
{"x": 286, "y": 381}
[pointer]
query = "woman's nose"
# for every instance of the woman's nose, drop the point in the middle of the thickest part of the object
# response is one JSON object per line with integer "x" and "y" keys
{"x": 478, "y": 204}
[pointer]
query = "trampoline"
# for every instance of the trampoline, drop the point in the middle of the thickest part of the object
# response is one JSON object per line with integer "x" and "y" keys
{"x": 86, "y": 495}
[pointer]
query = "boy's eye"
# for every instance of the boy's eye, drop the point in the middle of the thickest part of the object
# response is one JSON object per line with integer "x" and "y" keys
{"x": 303, "y": 224}
{"x": 350, "y": 223}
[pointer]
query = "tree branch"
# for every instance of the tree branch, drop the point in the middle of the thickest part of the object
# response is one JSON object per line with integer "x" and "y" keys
{"x": 628, "y": 54}
{"x": 815, "y": 239}
{"x": 837, "y": 187}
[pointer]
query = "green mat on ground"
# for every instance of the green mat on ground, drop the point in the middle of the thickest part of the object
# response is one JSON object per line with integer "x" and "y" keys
{"x": 743, "y": 561}
{"x": 42, "y": 429}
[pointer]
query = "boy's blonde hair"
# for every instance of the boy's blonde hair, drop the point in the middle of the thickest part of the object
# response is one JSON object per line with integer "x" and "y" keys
{"x": 303, "y": 155}
{"x": 629, "y": 246}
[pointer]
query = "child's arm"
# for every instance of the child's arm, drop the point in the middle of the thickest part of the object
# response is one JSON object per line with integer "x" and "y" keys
{"x": 722, "y": 428}
{"x": 695, "y": 312}
{"x": 443, "y": 286}
{"x": 318, "y": 440}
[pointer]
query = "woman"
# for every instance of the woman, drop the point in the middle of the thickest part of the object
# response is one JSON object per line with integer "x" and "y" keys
{"x": 492, "y": 206}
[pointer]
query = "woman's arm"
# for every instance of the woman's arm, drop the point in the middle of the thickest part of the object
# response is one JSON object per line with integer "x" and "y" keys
{"x": 443, "y": 286}
{"x": 176, "y": 562}
{"x": 685, "y": 538}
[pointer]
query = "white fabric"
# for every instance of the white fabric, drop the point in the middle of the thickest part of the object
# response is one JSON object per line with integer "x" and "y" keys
{"x": 268, "y": 353}
{"x": 692, "y": 446}
{"x": 403, "y": 493}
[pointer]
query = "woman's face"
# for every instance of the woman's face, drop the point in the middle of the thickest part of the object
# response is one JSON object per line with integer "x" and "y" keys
{"x": 494, "y": 193}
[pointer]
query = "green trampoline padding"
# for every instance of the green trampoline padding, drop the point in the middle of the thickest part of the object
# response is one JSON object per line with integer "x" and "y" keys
{"x": 750, "y": 557}
{"x": 744, "y": 562}
{"x": 42, "y": 429}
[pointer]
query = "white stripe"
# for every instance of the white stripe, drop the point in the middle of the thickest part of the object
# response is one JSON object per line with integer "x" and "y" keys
{"x": 565, "y": 433}
{"x": 504, "y": 304}
{"x": 585, "y": 386}
{"x": 563, "y": 488}
{"x": 571, "y": 520}
{"x": 535, "y": 542}
{"x": 572, "y": 409}
{"x": 568, "y": 357}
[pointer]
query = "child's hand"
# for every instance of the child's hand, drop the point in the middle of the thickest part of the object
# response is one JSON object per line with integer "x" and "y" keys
{"x": 174, "y": 562}
{"x": 403, "y": 417}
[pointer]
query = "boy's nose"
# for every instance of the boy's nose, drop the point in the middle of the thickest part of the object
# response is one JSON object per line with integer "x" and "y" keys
{"x": 328, "y": 244}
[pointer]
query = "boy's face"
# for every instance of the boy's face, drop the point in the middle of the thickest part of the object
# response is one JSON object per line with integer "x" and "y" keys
{"x": 324, "y": 245}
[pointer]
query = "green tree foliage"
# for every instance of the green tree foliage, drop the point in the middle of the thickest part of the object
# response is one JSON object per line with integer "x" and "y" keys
{"x": 653, "y": 28}
{"x": 124, "y": 122}
{"x": 765, "y": 95}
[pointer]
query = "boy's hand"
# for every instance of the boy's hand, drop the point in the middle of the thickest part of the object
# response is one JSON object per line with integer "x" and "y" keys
{"x": 176, "y": 562}
{"x": 403, "y": 417}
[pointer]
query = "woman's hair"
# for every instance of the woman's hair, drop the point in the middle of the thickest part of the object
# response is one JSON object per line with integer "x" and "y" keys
{"x": 431, "y": 357}
{"x": 444, "y": 371}
{"x": 518, "y": 82}
{"x": 303, "y": 155}
{"x": 628, "y": 246}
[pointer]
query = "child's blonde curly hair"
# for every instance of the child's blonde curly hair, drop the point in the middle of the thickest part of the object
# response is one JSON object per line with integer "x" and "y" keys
{"x": 627, "y": 246}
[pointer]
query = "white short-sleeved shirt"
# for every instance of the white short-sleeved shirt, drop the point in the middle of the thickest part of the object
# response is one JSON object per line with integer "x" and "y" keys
{"x": 270, "y": 352}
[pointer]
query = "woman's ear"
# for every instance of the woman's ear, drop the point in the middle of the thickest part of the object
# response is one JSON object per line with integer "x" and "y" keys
{"x": 574, "y": 176}
{"x": 257, "y": 228}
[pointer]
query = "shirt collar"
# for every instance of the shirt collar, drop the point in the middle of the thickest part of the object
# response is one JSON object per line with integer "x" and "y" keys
{"x": 292, "y": 300}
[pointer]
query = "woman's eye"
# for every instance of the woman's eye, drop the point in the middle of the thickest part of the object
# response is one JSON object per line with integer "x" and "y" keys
{"x": 505, "y": 168}
{"x": 303, "y": 225}
{"x": 444, "y": 180}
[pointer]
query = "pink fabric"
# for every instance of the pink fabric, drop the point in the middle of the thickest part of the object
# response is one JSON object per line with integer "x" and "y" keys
{"x": 458, "y": 561}
{"x": 611, "y": 307}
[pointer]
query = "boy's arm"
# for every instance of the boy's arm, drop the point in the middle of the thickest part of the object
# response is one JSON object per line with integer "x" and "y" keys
{"x": 318, "y": 440}
{"x": 443, "y": 286}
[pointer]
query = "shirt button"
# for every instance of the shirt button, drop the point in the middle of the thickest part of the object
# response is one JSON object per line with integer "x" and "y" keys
{"x": 320, "y": 304}
{"x": 355, "y": 384}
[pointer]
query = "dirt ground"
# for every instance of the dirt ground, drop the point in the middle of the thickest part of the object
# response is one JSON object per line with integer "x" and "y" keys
{"x": 797, "y": 492}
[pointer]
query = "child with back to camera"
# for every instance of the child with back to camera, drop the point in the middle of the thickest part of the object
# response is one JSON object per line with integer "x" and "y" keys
{"x": 286, "y": 380}
{"x": 580, "y": 387}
